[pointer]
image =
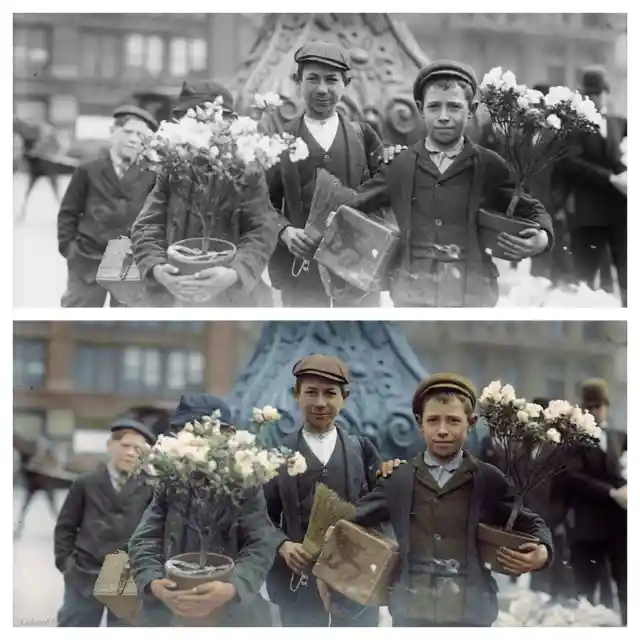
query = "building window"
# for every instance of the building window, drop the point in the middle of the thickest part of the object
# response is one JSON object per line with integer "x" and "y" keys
{"x": 99, "y": 57}
{"x": 187, "y": 55}
{"x": 144, "y": 54}
{"x": 30, "y": 52}
{"x": 29, "y": 364}
{"x": 556, "y": 370}
{"x": 95, "y": 368}
{"x": 185, "y": 370}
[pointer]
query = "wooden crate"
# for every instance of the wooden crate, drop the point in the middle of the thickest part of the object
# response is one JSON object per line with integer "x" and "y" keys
{"x": 358, "y": 248}
{"x": 358, "y": 563}
{"x": 119, "y": 275}
{"x": 116, "y": 589}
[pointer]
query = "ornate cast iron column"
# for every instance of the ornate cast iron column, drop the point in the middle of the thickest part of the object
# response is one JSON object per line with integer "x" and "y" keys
{"x": 384, "y": 369}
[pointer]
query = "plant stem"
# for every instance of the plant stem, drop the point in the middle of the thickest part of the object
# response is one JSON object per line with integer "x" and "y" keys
{"x": 517, "y": 505}
{"x": 515, "y": 198}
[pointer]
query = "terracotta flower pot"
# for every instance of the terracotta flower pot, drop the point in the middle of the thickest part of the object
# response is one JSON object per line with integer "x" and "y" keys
{"x": 195, "y": 254}
{"x": 491, "y": 225}
{"x": 490, "y": 539}
{"x": 184, "y": 570}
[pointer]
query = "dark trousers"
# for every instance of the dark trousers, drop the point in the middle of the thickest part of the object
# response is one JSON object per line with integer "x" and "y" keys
{"x": 81, "y": 293}
{"x": 306, "y": 609}
{"x": 590, "y": 247}
{"x": 589, "y": 560}
{"x": 79, "y": 610}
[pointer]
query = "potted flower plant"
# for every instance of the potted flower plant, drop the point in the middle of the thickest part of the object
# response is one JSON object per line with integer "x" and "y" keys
{"x": 535, "y": 442}
{"x": 206, "y": 468}
{"x": 535, "y": 131}
{"x": 203, "y": 155}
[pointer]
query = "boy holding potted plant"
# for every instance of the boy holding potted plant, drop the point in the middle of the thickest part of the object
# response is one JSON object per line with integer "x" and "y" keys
{"x": 435, "y": 504}
{"x": 236, "y": 213}
{"x": 436, "y": 190}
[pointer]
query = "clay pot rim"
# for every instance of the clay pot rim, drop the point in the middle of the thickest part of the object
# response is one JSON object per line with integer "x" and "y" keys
{"x": 484, "y": 528}
{"x": 228, "y": 564}
{"x": 491, "y": 219}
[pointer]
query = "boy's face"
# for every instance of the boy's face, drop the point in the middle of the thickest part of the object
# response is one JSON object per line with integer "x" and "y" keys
{"x": 446, "y": 113}
{"x": 320, "y": 401}
{"x": 599, "y": 412}
{"x": 127, "y": 140}
{"x": 445, "y": 426}
{"x": 322, "y": 88}
{"x": 126, "y": 452}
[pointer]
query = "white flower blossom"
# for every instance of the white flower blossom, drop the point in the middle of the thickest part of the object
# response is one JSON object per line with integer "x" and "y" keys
{"x": 299, "y": 151}
{"x": 492, "y": 79}
{"x": 523, "y": 102}
{"x": 270, "y": 413}
{"x": 534, "y": 96}
{"x": 297, "y": 464}
{"x": 509, "y": 80}
{"x": 269, "y": 99}
{"x": 534, "y": 410}
{"x": 553, "y": 121}
{"x": 257, "y": 416}
{"x": 523, "y": 416}
{"x": 242, "y": 126}
{"x": 244, "y": 438}
{"x": 508, "y": 394}
{"x": 553, "y": 435}
{"x": 557, "y": 95}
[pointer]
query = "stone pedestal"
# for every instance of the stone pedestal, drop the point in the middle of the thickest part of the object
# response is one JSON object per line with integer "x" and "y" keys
{"x": 384, "y": 371}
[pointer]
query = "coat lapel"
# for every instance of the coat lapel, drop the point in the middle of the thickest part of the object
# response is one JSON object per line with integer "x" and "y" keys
{"x": 289, "y": 492}
{"x": 355, "y": 473}
{"x": 109, "y": 175}
{"x": 356, "y": 158}
{"x": 104, "y": 483}
{"x": 401, "y": 176}
{"x": 291, "y": 180}
{"x": 400, "y": 501}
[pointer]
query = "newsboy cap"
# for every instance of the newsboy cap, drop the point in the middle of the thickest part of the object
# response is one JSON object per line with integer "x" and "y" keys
{"x": 594, "y": 81}
{"x": 595, "y": 392}
{"x": 136, "y": 112}
{"x": 443, "y": 69}
{"x": 196, "y": 94}
{"x": 442, "y": 382}
{"x": 133, "y": 425}
{"x": 324, "y": 53}
{"x": 323, "y": 366}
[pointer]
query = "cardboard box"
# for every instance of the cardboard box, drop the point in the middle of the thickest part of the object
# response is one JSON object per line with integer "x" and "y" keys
{"x": 116, "y": 589}
{"x": 358, "y": 563}
{"x": 119, "y": 275}
{"x": 358, "y": 248}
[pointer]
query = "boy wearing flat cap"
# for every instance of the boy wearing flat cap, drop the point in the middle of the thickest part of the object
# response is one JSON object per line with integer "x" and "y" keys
{"x": 597, "y": 496}
{"x": 436, "y": 189}
{"x": 243, "y": 532}
{"x": 435, "y": 503}
{"x": 597, "y": 175}
{"x": 102, "y": 200}
{"x": 348, "y": 150}
{"x": 99, "y": 514}
{"x": 244, "y": 216}
{"x": 345, "y": 463}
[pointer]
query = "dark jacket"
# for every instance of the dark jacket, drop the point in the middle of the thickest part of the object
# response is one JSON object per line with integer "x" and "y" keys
{"x": 362, "y": 462}
{"x": 591, "y": 474}
{"x": 96, "y": 520}
{"x": 98, "y": 207}
{"x": 244, "y": 533}
{"x": 588, "y": 169}
{"x": 491, "y": 503}
{"x": 244, "y": 217}
{"x": 490, "y": 187}
{"x": 364, "y": 153}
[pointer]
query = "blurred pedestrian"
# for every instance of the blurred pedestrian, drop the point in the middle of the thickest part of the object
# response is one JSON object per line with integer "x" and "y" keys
{"x": 594, "y": 171}
{"x": 101, "y": 511}
{"x": 101, "y": 203}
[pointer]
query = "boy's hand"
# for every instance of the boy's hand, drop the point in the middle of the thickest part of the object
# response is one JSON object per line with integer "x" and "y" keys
{"x": 387, "y": 467}
{"x": 211, "y": 282}
{"x": 389, "y": 153}
{"x": 164, "y": 590}
{"x": 528, "y": 243}
{"x": 298, "y": 242}
{"x": 205, "y": 599}
{"x": 529, "y": 557}
{"x": 294, "y": 554}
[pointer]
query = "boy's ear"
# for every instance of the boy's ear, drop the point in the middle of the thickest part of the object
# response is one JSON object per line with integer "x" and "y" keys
{"x": 294, "y": 392}
{"x": 345, "y": 393}
{"x": 419, "y": 104}
{"x": 473, "y": 421}
{"x": 418, "y": 418}
{"x": 473, "y": 108}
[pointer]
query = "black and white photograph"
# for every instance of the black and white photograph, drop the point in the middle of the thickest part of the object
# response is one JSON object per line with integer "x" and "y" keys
{"x": 316, "y": 474}
{"x": 320, "y": 160}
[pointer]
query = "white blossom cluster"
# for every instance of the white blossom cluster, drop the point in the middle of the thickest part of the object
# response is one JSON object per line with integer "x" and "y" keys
{"x": 528, "y": 608}
{"x": 269, "y": 99}
{"x": 203, "y": 133}
{"x": 229, "y": 460}
{"x": 561, "y": 410}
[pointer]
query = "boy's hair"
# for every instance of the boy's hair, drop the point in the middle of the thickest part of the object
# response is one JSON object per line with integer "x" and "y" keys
{"x": 344, "y": 390}
{"x": 445, "y": 397}
{"x": 120, "y": 121}
{"x": 449, "y": 83}
{"x": 118, "y": 434}
{"x": 297, "y": 76}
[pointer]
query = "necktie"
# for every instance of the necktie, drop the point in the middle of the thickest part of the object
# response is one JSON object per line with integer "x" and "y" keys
{"x": 121, "y": 481}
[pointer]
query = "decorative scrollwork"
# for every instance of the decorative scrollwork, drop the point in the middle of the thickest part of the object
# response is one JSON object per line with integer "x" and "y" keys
{"x": 402, "y": 114}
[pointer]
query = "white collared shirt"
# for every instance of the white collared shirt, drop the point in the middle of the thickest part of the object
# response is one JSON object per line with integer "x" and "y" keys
{"x": 119, "y": 165}
{"x": 443, "y": 158}
{"x": 442, "y": 473}
{"x": 321, "y": 444}
{"x": 323, "y": 131}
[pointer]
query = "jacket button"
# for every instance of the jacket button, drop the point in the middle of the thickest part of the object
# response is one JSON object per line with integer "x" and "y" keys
{"x": 437, "y": 536}
{"x": 327, "y": 157}
{"x": 324, "y": 472}
{"x": 438, "y": 222}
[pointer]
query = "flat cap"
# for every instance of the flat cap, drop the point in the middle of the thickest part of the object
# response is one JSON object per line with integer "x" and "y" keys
{"x": 324, "y": 53}
{"x": 443, "y": 69}
{"x": 197, "y": 93}
{"x": 442, "y": 382}
{"x": 133, "y": 425}
{"x": 595, "y": 392}
{"x": 323, "y": 366}
{"x": 594, "y": 81}
{"x": 136, "y": 112}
